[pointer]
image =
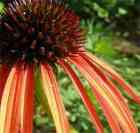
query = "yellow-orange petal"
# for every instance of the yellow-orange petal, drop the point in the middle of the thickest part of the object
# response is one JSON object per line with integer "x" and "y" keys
{"x": 100, "y": 90}
{"x": 112, "y": 87}
{"x": 26, "y": 100}
{"x": 8, "y": 100}
{"x": 51, "y": 90}
{"x": 114, "y": 75}
{"x": 82, "y": 91}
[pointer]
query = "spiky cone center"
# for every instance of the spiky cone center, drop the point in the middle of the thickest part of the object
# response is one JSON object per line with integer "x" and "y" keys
{"x": 33, "y": 31}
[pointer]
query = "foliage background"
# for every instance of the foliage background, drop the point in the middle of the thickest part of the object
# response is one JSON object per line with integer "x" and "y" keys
{"x": 113, "y": 34}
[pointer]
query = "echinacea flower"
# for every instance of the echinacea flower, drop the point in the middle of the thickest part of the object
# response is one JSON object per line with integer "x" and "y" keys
{"x": 40, "y": 34}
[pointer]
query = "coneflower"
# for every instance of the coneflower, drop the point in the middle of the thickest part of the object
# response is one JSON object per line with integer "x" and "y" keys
{"x": 40, "y": 34}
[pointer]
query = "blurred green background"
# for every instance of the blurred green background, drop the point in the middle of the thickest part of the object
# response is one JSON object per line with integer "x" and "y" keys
{"x": 113, "y": 34}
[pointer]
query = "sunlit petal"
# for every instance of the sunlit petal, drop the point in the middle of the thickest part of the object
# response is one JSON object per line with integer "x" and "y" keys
{"x": 80, "y": 88}
{"x": 27, "y": 98}
{"x": 100, "y": 90}
{"x": 113, "y": 88}
{"x": 109, "y": 115}
{"x": 51, "y": 90}
{"x": 8, "y": 101}
{"x": 115, "y": 76}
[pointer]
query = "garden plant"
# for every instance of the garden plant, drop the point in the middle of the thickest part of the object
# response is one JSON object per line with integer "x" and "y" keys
{"x": 40, "y": 36}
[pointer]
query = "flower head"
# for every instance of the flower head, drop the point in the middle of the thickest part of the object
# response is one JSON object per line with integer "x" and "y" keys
{"x": 39, "y": 30}
{"x": 40, "y": 34}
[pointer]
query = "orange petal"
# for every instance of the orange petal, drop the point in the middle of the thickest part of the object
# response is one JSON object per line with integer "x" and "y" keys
{"x": 51, "y": 90}
{"x": 101, "y": 89}
{"x": 108, "y": 113}
{"x": 114, "y": 75}
{"x": 26, "y": 100}
{"x": 80, "y": 88}
{"x": 8, "y": 101}
{"x": 15, "y": 118}
{"x": 110, "y": 85}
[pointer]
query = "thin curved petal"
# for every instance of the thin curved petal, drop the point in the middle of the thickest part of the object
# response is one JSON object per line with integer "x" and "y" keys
{"x": 114, "y": 75}
{"x": 15, "y": 118}
{"x": 27, "y": 100}
{"x": 80, "y": 88}
{"x": 113, "y": 88}
{"x": 101, "y": 91}
{"x": 51, "y": 90}
{"x": 8, "y": 100}
{"x": 109, "y": 115}
{"x": 16, "y": 113}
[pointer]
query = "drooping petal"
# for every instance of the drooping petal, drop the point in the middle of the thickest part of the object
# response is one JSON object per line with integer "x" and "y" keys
{"x": 110, "y": 116}
{"x": 113, "y": 88}
{"x": 51, "y": 90}
{"x": 8, "y": 100}
{"x": 4, "y": 71}
{"x": 80, "y": 88}
{"x": 103, "y": 94}
{"x": 16, "y": 107}
{"x": 114, "y": 75}
{"x": 27, "y": 100}
{"x": 15, "y": 117}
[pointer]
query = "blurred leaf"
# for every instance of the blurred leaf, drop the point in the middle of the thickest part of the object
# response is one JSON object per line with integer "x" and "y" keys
{"x": 104, "y": 47}
{"x": 1, "y": 7}
{"x": 101, "y": 12}
{"x": 122, "y": 11}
